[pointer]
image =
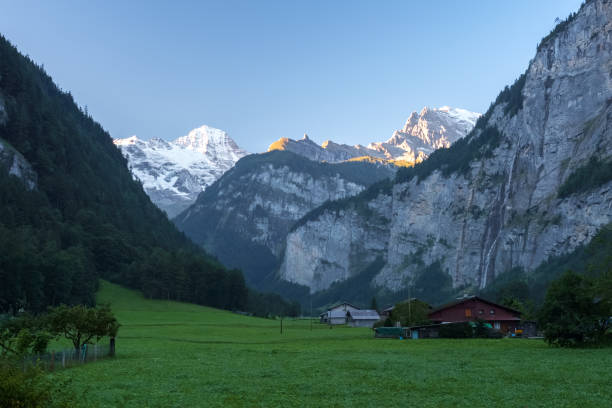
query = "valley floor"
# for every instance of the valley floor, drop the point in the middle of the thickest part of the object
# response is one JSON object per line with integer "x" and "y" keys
{"x": 171, "y": 354}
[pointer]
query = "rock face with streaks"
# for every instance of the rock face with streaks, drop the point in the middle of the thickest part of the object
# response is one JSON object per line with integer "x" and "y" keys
{"x": 501, "y": 207}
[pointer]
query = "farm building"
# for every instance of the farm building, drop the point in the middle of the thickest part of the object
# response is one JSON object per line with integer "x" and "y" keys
{"x": 389, "y": 332}
{"x": 337, "y": 314}
{"x": 428, "y": 331}
{"x": 471, "y": 308}
{"x": 362, "y": 318}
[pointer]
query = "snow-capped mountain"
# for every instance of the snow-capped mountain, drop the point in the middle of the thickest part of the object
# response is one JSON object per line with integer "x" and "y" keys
{"x": 427, "y": 131}
{"x": 423, "y": 133}
{"x": 173, "y": 173}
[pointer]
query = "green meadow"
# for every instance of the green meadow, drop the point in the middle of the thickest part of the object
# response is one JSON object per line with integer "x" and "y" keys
{"x": 172, "y": 354}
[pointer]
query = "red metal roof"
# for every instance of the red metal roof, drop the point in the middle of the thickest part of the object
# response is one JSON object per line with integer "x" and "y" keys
{"x": 462, "y": 300}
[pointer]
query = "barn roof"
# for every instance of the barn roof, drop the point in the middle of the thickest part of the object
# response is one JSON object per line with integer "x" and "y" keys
{"x": 342, "y": 304}
{"x": 336, "y": 313}
{"x": 465, "y": 299}
{"x": 367, "y": 314}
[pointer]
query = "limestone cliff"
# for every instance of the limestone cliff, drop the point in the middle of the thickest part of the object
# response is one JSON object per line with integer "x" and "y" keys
{"x": 490, "y": 202}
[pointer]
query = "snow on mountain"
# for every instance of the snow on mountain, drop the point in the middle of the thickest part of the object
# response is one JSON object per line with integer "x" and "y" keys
{"x": 423, "y": 133}
{"x": 173, "y": 173}
{"x": 427, "y": 131}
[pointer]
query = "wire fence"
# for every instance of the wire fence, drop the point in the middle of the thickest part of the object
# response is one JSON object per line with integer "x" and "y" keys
{"x": 58, "y": 359}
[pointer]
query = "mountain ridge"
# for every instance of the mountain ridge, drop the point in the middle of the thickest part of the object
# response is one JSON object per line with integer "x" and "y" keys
{"x": 422, "y": 133}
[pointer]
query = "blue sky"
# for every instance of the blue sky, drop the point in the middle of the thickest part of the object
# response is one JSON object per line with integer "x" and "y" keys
{"x": 350, "y": 71}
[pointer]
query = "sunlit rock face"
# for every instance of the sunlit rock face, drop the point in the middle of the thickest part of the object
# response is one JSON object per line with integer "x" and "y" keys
{"x": 504, "y": 211}
{"x": 173, "y": 173}
{"x": 421, "y": 135}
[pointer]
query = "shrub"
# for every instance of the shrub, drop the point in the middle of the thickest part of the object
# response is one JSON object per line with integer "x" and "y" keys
{"x": 461, "y": 330}
{"x": 411, "y": 313}
{"x": 30, "y": 388}
{"x": 572, "y": 315}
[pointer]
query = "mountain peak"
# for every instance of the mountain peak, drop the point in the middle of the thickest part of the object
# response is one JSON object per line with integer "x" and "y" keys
{"x": 201, "y": 137}
{"x": 173, "y": 173}
{"x": 127, "y": 141}
{"x": 433, "y": 128}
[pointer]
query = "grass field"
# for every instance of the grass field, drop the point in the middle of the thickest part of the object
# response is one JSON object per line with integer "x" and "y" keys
{"x": 172, "y": 354}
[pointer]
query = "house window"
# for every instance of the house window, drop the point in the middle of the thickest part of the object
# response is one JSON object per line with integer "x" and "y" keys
{"x": 492, "y": 311}
{"x": 468, "y": 312}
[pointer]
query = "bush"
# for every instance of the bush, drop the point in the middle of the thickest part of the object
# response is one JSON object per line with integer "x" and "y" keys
{"x": 572, "y": 315}
{"x": 494, "y": 334}
{"x": 480, "y": 330}
{"x": 29, "y": 388}
{"x": 461, "y": 330}
{"x": 411, "y": 313}
{"x": 23, "y": 335}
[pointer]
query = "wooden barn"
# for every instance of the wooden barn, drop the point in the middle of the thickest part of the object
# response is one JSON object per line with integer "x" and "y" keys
{"x": 471, "y": 308}
{"x": 337, "y": 314}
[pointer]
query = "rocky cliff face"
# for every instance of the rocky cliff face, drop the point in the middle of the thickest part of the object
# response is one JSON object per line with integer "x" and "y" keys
{"x": 421, "y": 135}
{"x": 244, "y": 217}
{"x": 11, "y": 160}
{"x": 174, "y": 173}
{"x": 15, "y": 164}
{"x": 501, "y": 209}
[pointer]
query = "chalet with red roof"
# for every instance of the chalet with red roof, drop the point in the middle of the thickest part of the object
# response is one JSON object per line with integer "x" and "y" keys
{"x": 473, "y": 308}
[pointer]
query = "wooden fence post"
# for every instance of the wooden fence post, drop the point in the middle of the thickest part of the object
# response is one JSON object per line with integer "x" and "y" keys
{"x": 52, "y": 365}
{"x": 63, "y": 358}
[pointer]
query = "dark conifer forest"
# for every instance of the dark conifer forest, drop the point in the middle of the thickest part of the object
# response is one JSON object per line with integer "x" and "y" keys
{"x": 86, "y": 217}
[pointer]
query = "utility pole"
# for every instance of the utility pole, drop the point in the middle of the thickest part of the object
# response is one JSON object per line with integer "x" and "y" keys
{"x": 409, "y": 304}
{"x": 311, "y": 312}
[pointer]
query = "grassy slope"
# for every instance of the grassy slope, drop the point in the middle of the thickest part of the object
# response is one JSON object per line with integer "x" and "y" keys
{"x": 180, "y": 355}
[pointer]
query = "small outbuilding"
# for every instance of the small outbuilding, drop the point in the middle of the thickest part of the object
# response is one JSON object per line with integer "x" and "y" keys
{"x": 428, "y": 331}
{"x": 337, "y": 314}
{"x": 362, "y": 318}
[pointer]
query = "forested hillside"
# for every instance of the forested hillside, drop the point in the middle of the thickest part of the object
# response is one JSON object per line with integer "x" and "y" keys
{"x": 82, "y": 216}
